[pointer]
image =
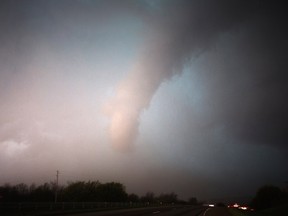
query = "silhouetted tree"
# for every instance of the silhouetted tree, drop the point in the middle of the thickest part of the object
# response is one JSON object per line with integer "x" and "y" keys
{"x": 95, "y": 191}
{"x": 133, "y": 198}
{"x": 149, "y": 197}
{"x": 43, "y": 193}
{"x": 112, "y": 192}
{"x": 76, "y": 192}
{"x": 168, "y": 198}
{"x": 193, "y": 201}
{"x": 23, "y": 192}
{"x": 8, "y": 193}
{"x": 268, "y": 196}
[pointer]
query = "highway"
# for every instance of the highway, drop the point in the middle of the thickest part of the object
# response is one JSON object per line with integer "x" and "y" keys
{"x": 161, "y": 211}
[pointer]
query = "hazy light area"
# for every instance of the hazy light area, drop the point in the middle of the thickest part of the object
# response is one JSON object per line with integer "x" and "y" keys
{"x": 188, "y": 96}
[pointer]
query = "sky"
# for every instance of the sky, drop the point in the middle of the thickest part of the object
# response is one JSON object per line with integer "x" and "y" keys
{"x": 184, "y": 96}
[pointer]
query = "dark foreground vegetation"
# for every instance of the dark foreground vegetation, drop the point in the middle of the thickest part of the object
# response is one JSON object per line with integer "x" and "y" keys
{"x": 80, "y": 191}
{"x": 79, "y": 196}
{"x": 270, "y": 196}
{"x": 96, "y": 195}
{"x": 268, "y": 201}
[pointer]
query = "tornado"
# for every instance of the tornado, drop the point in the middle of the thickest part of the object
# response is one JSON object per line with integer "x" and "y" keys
{"x": 178, "y": 32}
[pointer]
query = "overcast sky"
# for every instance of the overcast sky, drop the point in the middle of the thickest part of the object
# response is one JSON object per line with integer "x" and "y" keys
{"x": 184, "y": 96}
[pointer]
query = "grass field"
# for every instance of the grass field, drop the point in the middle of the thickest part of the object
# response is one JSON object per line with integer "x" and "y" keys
{"x": 279, "y": 211}
{"x": 237, "y": 212}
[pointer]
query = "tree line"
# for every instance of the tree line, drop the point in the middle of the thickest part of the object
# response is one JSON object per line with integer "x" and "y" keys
{"x": 269, "y": 196}
{"x": 81, "y": 191}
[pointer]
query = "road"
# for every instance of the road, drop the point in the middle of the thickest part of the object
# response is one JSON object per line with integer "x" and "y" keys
{"x": 161, "y": 211}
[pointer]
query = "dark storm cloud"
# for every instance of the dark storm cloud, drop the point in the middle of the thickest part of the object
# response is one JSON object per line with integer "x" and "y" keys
{"x": 248, "y": 85}
{"x": 248, "y": 81}
{"x": 178, "y": 31}
{"x": 183, "y": 30}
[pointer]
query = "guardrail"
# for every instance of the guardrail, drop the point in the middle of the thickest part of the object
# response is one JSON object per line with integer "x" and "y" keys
{"x": 40, "y": 207}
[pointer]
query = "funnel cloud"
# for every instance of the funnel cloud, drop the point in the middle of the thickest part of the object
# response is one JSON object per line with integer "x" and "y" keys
{"x": 172, "y": 42}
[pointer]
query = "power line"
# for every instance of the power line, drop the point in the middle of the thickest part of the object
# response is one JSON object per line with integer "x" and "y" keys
{"x": 56, "y": 188}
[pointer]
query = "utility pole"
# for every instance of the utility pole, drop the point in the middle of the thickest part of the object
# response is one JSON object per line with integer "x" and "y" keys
{"x": 56, "y": 189}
